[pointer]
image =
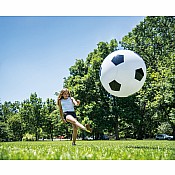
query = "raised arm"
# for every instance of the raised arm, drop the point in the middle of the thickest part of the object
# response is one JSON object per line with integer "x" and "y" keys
{"x": 76, "y": 102}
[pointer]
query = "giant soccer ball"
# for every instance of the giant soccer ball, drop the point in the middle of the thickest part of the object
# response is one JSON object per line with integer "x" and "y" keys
{"x": 123, "y": 73}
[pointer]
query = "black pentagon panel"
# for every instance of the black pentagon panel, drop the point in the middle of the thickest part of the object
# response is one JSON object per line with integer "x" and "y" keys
{"x": 118, "y": 59}
{"x": 139, "y": 74}
{"x": 114, "y": 85}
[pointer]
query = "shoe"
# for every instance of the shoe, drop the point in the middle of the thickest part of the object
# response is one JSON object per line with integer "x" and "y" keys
{"x": 88, "y": 129}
{"x": 73, "y": 144}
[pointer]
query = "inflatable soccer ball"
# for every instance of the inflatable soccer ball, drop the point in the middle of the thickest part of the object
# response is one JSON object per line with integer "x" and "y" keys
{"x": 123, "y": 73}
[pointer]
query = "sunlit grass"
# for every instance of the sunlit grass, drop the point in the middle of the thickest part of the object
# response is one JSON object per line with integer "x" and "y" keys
{"x": 88, "y": 150}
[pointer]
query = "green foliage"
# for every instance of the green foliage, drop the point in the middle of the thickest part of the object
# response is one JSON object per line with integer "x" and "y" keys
{"x": 28, "y": 137}
{"x": 144, "y": 114}
{"x": 85, "y": 83}
{"x": 15, "y": 126}
{"x": 32, "y": 117}
{"x": 154, "y": 40}
{"x": 165, "y": 127}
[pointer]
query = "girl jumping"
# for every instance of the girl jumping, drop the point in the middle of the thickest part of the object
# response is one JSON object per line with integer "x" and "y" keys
{"x": 66, "y": 105}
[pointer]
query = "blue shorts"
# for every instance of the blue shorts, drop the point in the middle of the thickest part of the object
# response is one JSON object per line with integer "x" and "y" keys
{"x": 72, "y": 113}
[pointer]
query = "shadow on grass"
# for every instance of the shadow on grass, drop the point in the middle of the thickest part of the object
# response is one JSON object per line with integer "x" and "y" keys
{"x": 148, "y": 147}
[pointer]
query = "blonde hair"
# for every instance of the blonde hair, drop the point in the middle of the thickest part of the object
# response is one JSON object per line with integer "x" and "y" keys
{"x": 60, "y": 96}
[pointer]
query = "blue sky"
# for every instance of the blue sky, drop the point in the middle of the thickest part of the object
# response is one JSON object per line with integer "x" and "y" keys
{"x": 37, "y": 52}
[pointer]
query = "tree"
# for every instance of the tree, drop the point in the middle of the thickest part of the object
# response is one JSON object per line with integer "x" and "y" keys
{"x": 37, "y": 118}
{"x": 7, "y": 110}
{"x": 154, "y": 40}
{"x": 15, "y": 126}
{"x": 97, "y": 104}
{"x": 30, "y": 113}
{"x": 50, "y": 118}
{"x": 3, "y": 126}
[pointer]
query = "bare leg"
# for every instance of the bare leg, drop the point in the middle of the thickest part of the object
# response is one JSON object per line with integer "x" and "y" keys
{"x": 74, "y": 135}
{"x": 72, "y": 120}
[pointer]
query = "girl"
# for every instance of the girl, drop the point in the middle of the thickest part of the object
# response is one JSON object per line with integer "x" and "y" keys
{"x": 67, "y": 112}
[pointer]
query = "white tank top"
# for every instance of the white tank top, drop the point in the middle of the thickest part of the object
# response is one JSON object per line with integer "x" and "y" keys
{"x": 67, "y": 104}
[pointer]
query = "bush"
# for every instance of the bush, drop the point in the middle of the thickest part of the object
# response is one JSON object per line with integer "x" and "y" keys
{"x": 28, "y": 137}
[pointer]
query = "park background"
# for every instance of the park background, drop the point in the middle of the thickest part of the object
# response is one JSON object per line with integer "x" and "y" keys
{"x": 131, "y": 8}
{"x": 140, "y": 116}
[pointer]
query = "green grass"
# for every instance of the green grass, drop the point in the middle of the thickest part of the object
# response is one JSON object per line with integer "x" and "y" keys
{"x": 88, "y": 150}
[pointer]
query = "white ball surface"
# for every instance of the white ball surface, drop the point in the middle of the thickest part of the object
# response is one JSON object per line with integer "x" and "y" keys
{"x": 123, "y": 73}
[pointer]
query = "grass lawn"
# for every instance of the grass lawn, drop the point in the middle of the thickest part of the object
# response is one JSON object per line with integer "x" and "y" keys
{"x": 89, "y": 150}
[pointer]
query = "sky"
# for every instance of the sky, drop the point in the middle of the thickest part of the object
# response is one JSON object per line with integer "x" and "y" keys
{"x": 36, "y": 52}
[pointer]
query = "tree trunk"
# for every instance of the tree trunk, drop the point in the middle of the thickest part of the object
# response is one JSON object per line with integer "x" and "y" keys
{"x": 52, "y": 132}
{"x": 140, "y": 128}
{"x": 116, "y": 124}
{"x": 36, "y": 136}
{"x": 52, "y": 136}
{"x": 116, "y": 130}
{"x": 140, "y": 133}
